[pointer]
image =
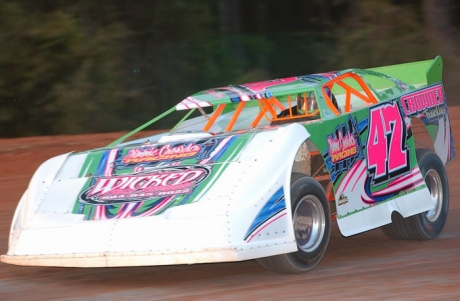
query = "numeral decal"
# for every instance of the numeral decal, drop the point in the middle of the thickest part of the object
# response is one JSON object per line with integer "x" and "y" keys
{"x": 387, "y": 151}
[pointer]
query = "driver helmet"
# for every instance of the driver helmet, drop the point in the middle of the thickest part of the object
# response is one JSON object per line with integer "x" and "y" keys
{"x": 307, "y": 104}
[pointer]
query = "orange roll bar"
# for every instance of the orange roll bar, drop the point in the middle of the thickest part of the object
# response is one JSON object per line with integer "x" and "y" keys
{"x": 214, "y": 116}
{"x": 237, "y": 112}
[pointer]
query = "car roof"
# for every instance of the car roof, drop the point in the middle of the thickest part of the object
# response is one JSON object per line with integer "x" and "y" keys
{"x": 257, "y": 90}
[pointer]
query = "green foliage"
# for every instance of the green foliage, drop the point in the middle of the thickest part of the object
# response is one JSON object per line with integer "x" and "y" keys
{"x": 381, "y": 33}
{"x": 94, "y": 97}
{"x": 50, "y": 68}
{"x": 40, "y": 52}
{"x": 110, "y": 65}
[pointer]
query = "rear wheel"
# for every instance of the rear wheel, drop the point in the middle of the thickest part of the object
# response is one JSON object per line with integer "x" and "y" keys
{"x": 426, "y": 225}
{"x": 312, "y": 228}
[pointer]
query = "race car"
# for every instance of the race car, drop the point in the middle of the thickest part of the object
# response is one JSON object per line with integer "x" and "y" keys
{"x": 252, "y": 171}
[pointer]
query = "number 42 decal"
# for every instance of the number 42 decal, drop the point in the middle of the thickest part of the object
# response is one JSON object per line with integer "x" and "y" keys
{"x": 387, "y": 153}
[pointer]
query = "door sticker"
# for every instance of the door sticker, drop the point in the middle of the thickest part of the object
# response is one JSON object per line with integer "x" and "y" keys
{"x": 387, "y": 153}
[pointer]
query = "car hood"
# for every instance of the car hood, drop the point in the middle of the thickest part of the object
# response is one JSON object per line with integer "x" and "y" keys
{"x": 149, "y": 177}
{"x": 145, "y": 179}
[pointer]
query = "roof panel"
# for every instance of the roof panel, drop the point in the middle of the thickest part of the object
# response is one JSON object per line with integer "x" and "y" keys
{"x": 255, "y": 90}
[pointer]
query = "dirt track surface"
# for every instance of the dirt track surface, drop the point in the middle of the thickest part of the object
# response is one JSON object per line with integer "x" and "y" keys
{"x": 364, "y": 267}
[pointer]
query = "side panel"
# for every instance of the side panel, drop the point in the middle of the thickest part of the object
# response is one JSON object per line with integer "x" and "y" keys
{"x": 370, "y": 155}
{"x": 430, "y": 106}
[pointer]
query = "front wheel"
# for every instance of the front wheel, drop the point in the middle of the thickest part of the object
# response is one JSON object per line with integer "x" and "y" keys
{"x": 426, "y": 225}
{"x": 312, "y": 228}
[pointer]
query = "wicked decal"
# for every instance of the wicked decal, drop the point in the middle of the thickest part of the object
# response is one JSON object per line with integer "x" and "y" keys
{"x": 154, "y": 184}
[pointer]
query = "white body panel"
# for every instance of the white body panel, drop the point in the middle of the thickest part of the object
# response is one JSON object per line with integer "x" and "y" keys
{"x": 211, "y": 229}
{"x": 354, "y": 216}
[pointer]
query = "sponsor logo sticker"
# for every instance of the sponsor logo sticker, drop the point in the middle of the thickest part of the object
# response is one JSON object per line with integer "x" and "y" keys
{"x": 145, "y": 185}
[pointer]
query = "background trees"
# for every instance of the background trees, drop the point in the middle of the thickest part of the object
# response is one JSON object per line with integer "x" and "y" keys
{"x": 111, "y": 65}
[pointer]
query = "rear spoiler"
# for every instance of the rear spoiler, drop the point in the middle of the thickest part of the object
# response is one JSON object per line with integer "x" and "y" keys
{"x": 422, "y": 73}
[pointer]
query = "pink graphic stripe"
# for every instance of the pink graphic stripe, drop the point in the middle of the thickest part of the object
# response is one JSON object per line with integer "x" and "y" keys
{"x": 359, "y": 176}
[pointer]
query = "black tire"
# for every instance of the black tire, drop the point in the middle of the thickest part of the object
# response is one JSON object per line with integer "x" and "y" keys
{"x": 312, "y": 226}
{"x": 426, "y": 225}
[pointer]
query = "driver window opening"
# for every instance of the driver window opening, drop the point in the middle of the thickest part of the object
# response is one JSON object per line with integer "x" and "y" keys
{"x": 295, "y": 107}
{"x": 300, "y": 106}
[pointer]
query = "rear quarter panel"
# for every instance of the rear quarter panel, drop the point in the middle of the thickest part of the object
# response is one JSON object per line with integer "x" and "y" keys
{"x": 370, "y": 156}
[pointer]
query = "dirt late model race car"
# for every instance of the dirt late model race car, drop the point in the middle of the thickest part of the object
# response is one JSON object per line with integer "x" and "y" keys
{"x": 253, "y": 171}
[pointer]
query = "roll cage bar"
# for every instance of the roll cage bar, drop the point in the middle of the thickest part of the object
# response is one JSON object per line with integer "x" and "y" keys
{"x": 268, "y": 106}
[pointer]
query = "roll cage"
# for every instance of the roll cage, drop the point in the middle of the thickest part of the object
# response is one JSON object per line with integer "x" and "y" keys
{"x": 350, "y": 83}
{"x": 275, "y": 98}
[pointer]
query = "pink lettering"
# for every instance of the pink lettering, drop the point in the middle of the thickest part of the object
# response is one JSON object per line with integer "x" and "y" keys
{"x": 342, "y": 147}
{"x": 423, "y": 99}
{"x": 165, "y": 152}
{"x": 386, "y": 150}
{"x": 163, "y": 181}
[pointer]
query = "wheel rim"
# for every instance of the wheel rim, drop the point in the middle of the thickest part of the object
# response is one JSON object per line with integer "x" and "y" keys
{"x": 309, "y": 223}
{"x": 433, "y": 182}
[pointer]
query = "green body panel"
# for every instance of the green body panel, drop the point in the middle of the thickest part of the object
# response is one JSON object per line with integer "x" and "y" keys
{"x": 119, "y": 164}
{"x": 415, "y": 73}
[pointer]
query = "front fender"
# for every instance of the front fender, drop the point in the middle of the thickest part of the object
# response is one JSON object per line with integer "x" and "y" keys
{"x": 260, "y": 218}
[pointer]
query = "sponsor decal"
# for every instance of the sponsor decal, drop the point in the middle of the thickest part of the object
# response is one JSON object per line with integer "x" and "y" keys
{"x": 437, "y": 112}
{"x": 165, "y": 152}
{"x": 342, "y": 200}
{"x": 148, "y": 155}
{"x": 422, "y": 100}
{"x": 342, "y": 146}
{"x": 152, "y": 184}
{"x": 388, "y": 155}
{"x": 124, "y": 183}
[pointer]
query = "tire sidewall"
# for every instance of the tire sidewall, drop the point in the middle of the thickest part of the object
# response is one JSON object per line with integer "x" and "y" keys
{"x": 429, "y": 160}
{"x": 302, "y": 186}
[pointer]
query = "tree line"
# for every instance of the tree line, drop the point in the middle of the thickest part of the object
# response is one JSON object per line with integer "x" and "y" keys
{"x": 111, "y": 65}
